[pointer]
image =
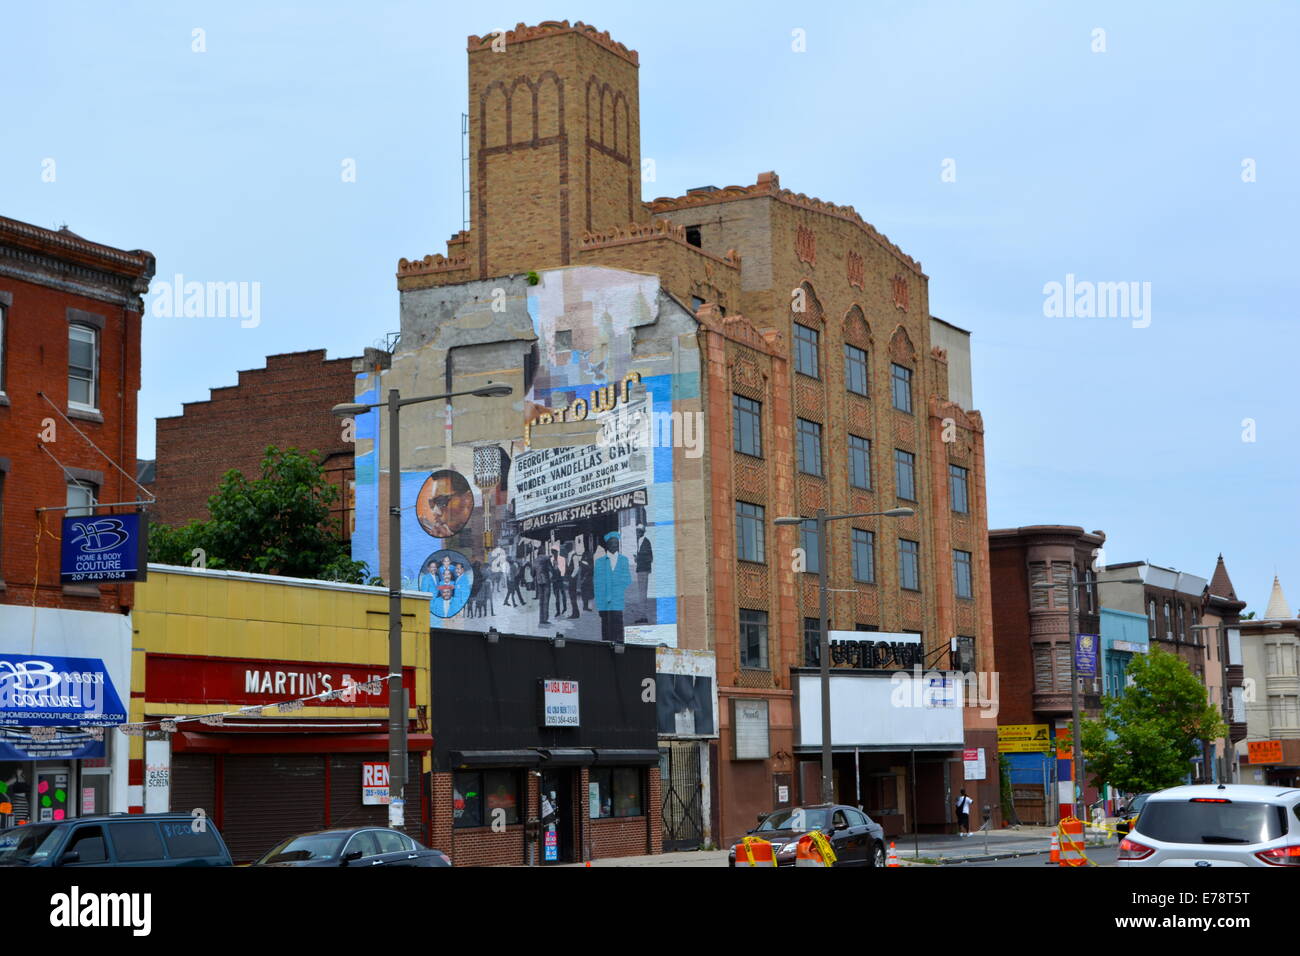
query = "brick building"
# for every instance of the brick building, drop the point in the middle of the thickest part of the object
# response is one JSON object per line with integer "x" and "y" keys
{"x": 803, "y": 339}
{"x": 286, "y": 404}
{"x": 70, "y": 312}
{"x": 1224, "y": 674}
{"x": 1031, "y": 569}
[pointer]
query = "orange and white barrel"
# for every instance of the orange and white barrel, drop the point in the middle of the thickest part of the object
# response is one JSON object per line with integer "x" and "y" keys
{"x": 1072, "y": 842}
{"x": 753, "y": 851}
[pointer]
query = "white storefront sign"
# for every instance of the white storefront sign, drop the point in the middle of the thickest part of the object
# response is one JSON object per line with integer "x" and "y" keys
{"x": 882, "y": 712}
{"x": 559, "y": 703}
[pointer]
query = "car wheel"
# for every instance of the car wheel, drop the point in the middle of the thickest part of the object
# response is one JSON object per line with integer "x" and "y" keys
{"x": 877, "y": 855}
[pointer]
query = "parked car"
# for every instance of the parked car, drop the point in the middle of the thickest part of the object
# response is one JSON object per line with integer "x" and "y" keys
{"x": 1129, "y": 812}
{"x": 358, "y": 846}
{"x": 856, "y": 839}
{"x": 137, "y": 839}
{"x": 1224, "y": 825}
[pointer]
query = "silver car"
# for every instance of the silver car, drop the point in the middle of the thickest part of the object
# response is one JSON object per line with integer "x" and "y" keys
{"x": 1224, "y": 825}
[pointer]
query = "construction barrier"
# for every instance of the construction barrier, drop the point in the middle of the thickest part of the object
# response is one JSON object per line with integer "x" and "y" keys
{"x": 814, "y": 850}
{"x": 1071, "y": 842}
{"x": 892, "y": 859}
{"x": 754, "y": 851}
{"x": 1055, "y": 859}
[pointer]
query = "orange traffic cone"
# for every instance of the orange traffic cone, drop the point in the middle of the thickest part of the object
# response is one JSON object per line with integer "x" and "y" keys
{"x": 892, "y": 859}
{"x": 1056, "y": 850}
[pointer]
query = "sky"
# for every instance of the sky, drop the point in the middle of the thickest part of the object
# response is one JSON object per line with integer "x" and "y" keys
{"x": 1005, "y": 145}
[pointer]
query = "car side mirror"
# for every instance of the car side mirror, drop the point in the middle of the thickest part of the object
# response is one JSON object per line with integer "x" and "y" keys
{"x": 72, "y": 856}
{"x": 350, "y": 857}
{"x": 841, "y": 826}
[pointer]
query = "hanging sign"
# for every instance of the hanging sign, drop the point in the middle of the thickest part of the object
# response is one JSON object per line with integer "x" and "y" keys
{"x": 103, "y": 548}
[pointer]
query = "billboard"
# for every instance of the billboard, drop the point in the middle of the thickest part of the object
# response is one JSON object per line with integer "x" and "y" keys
{"x": 571, "y": 541}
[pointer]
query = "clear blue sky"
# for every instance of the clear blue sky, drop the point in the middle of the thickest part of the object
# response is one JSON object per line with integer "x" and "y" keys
{"x": 1115, "y": 166}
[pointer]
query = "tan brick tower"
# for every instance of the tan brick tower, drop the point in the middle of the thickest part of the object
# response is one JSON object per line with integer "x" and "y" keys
{"x": 554, "y": 145}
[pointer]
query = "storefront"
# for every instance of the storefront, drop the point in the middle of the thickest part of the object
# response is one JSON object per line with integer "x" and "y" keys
{"x": 897, "y": 747}
{"x": 60, "y": 701}
{"x": 250, "y": 730}
{"x": 545, "y": 751}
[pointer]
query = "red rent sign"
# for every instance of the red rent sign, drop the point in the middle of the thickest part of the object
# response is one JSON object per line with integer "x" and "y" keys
{"x": 183, "y": 679}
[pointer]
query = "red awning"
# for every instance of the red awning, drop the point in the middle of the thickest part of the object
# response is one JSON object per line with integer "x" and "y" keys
{"x": 248, "y": 741}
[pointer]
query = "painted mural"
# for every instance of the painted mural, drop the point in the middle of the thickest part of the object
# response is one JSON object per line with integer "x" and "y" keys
{"x": 574, "y": 541}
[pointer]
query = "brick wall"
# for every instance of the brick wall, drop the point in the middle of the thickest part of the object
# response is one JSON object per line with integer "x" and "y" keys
{"x": 40, "y": 271}
{"x": 286, "y": 404}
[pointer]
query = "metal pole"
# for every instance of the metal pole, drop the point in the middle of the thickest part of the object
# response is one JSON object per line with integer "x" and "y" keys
{"x": 828, "y": 790}
{"x": 396, "y": 693}
{"x": 916, "y": 826}
{"x": 1077, "y": 764}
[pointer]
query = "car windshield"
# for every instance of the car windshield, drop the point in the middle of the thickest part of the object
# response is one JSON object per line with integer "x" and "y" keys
{"x": 1201, "y": 822}
{"x": 797, "y": 819}
{"x": 313, "y": 846}
{"x": 27, "y": 844}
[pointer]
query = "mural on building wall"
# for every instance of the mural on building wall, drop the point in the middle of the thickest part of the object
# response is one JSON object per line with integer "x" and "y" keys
{"x": 576, "y": 541}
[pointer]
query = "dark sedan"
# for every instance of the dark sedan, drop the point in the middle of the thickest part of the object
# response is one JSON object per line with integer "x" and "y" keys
{"x": 856, "y": 838}
{"x": 359, "y": 846}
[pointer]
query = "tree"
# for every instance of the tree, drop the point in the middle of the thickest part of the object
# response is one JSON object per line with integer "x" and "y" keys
{"x": 279, "y": 523}
{"x": 1148, "y": 735}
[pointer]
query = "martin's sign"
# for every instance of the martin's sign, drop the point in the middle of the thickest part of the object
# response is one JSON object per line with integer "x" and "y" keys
{"x": 174, "y": 678}
{"x": 40, "y": 691}
{"x": 103, "y": 548}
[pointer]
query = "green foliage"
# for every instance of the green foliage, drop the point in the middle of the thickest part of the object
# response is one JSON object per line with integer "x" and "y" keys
{"x": 1147, "y": 737}
{"x": 279, "y": 523}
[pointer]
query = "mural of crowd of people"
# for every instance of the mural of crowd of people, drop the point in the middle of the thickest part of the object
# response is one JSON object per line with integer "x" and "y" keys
{"x": 586, "y": 577}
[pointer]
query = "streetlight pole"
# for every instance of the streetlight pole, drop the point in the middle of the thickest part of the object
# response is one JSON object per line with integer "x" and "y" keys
{"x": 397, "y": 711}
{"x": 824, "y": 637}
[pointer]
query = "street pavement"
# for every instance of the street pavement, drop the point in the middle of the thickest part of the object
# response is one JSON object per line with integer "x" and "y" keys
{"x": 1026, "y": 846}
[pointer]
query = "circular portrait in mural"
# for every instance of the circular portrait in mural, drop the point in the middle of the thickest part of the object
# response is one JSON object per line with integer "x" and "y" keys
{"x": 448, "y": 577}
{"x": 445, "y": 503}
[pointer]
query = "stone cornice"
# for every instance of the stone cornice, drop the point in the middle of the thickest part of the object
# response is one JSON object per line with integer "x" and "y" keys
{"x": 67, "y": 246}
{"x": 769, "y": 184}
{"x": 431, "y": 264}
{"x": 522, "y": 33}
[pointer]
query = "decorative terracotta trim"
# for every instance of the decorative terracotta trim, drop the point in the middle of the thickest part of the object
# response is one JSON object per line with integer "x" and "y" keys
{"x": 522, "y": 33}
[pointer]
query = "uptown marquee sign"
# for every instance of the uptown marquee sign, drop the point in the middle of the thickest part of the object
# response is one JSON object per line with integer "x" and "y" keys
{"x": 879, "y": 651}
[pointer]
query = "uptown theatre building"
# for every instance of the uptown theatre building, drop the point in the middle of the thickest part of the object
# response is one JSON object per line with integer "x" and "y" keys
{"x": 780, "y": 357}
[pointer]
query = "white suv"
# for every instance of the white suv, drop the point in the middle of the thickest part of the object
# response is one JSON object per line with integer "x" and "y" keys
{"x": 1224, "y": 825}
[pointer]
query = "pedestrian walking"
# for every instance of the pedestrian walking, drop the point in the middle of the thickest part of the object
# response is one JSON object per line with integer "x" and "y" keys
{"x": 964, "y": 803}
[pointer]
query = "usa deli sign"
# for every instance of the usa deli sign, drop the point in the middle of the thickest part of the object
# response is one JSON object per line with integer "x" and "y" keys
{"x": 103, "y": 548}
{"x": 181, "y": 679}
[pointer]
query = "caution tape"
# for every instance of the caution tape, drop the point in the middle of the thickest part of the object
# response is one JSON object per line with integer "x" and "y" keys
{"x": 1074, "y": 847}
{"x": 823, "y": 846}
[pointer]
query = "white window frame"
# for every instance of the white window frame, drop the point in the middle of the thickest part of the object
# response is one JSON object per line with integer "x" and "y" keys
{"x": 93, "y": 406}
{"x": 76, "y": 509}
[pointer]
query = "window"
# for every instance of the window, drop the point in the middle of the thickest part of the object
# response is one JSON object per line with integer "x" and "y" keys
{"x": 909, "y": 564}
{"x": 864, "y": 556}
{"x": 810, "y": 447}
{"x": 83, "y": 367}
{"x": 747, "y": 426}
{"x": 961, "y": 574}
{"x": 753, "y": 639}
{"x": 958, "y": 488}
{"x": 749, "y": 532}
{"x": 81, "y": 499}
{"x": 805, "y": 351}
{"x": 182, "y": 841}
{"x": 901, "y": 385}
{"x": 477, "y": 797}
{"x": 693, "y": 237}
{"x": 615, "y": 792}
{"x": 855, "y": 370}
{"x": 392, "y": 842}
{"x": 859, "y": 462}
{"x": 88, "y": 843}
{"x": 1169, "y": 621}
{"x": 905, "y": 474}
{"x": 811, "y": 543}
{"x": 136, "y": 841}
{"x": 1182, "y": 623}
{"x": 965, "y": 661}
{"x": 2, "y": 348}
{"x": 812, "y": 642}
{"x": 1151, "y": 618}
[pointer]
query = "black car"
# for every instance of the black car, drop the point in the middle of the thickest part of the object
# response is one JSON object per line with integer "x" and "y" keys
{"x": 358, "y": 846}
{"x": 856, "y": 839}
{"x": 135, "y": 839}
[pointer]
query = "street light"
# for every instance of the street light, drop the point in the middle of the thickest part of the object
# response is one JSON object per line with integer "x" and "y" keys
{"x": 396, "y": 693}
{"x": 824, "y": 649}
{"x": 1076, "y": 743}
